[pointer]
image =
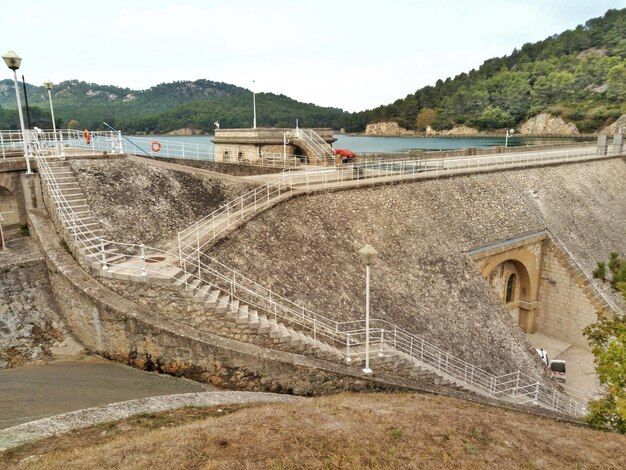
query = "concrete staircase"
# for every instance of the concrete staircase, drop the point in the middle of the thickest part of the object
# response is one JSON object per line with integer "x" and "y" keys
{"x": 242, "y": 319}
{"x": 239, "y": 319}
{"x": 316, "y": 148}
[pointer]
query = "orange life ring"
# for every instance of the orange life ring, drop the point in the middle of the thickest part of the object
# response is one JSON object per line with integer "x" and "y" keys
{"x": 156, "y": 146}
{"x": 87, "y": 136}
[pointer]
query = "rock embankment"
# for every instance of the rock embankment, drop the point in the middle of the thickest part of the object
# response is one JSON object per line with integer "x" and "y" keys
{"x": 546, "y": 124}
{"x": 140, "y": 203}
{"x": 616, "y": 127}
{"x": 387, "y": 129}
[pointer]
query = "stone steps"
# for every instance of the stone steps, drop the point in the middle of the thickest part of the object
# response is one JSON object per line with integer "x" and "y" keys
{"x": 238, "y": 315}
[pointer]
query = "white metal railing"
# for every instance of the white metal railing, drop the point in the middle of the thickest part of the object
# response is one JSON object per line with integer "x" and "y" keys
{"x": 52, "y": 142}
{"x": 315, "y": 142}
{"x": 385, "y": 338}
{"x": 171, "y": 148}
{"x": 206, "y": 230}
{"x": 211, "y": 275}
{"x": 211, "y": 227}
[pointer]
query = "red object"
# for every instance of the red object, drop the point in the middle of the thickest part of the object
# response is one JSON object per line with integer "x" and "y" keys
{"x": 345, "y": 153}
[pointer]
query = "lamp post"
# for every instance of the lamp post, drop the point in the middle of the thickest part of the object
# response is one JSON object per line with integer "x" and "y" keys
{"x": 253, "y": 106}
{"x": 509, "y": 133}
{"x": 14, "y": 61}
{"x": 368, "y": 255}
{"x": 48, "y": 86}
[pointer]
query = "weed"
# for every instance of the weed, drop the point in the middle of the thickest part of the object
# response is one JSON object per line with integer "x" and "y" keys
{"x": 395, "y": 434}
{"x": 24, "y": 230}
{"x": 65, "y": 246}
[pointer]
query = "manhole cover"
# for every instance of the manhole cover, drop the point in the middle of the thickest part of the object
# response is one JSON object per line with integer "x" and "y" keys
{"x": 155, "y": 259}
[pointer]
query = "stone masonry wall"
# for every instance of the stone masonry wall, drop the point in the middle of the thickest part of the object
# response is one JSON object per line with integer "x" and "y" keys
{"x": 221, "y": 167}
{"x": 31, "y": 330}
{"x": 565, "y": 309}
{"x": 141, "y": 203}
{"x": 584, "y": 205}
{"x": 306, "y": 249}
{"x": 121, "y": 330}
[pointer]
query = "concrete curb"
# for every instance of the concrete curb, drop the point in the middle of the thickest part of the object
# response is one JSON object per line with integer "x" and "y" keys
{"x": 62, "y": 423}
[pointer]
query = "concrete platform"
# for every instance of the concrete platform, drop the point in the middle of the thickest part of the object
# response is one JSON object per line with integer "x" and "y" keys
{"x": 581, "y": 372}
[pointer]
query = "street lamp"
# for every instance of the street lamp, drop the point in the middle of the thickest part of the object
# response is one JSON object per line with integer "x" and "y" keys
{"x": 368, "y": 255}
{"x": 509, "y": 133}
{"x": 48, "y": 86}
{"x": 14, "y": 61}
{"x": 253, "y": 105}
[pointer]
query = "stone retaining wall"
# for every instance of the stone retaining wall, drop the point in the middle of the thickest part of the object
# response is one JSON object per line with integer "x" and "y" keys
{"x": 227, "y": 168}
{"x": 116, "y": 328}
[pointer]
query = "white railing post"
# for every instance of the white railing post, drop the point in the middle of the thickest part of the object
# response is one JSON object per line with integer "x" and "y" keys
{"x": 103, "y": 256}
{"x": 348, "y": 358}
{"x": 144, "y": 270}
{"x": 382, "y": 342}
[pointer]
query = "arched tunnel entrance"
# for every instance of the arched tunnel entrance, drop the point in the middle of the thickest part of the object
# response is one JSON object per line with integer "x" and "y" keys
{"x": 514, "y": 273}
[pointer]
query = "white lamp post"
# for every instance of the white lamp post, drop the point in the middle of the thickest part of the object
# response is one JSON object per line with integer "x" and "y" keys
{"x": 509, "y": 133}
{"x": 48, "y": 86}
{"x": 368, "y": 255}
{"x": 253, "y": 106}
{"x": 14, "y": 61}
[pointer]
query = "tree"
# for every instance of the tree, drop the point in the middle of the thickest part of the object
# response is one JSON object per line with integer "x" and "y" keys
{"x": 493, "y": 117}
{"x": 425, "y": 118}
{"x": 607, "y": 338}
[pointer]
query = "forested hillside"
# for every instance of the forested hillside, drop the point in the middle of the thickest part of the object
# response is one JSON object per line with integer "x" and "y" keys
{"x": 163, "y": 108}
{"x": 579, "y": 75}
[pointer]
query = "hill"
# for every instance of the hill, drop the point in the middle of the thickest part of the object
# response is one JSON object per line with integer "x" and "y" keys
{"x": 579, "y": 75}
{"x": 162, "y": 108}
{"x": 395, "y": 431}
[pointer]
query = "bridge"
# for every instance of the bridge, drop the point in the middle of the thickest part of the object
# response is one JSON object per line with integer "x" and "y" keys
{"x": 207, "y": 283}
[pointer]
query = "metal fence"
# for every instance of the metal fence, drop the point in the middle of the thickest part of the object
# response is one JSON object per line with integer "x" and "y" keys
{"x": 203, "y": 273}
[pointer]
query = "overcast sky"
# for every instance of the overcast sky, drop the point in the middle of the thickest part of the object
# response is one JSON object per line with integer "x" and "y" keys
{"x": 354, "y": 55}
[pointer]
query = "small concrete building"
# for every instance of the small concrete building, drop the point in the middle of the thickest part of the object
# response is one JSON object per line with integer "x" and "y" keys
{"x": 251, "y": 145}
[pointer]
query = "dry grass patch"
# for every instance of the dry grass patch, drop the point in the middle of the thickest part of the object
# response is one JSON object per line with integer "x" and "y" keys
{"x": 402, "y": 431}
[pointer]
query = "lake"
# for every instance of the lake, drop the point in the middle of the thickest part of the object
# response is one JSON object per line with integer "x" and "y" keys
{"x": 361, "y": 144}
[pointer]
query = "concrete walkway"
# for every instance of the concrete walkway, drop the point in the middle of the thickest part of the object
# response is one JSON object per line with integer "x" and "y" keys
{"x": 581, "y": 371}
{"x": 189, "y": 169}
{"x": 63, "y": 423}
{"x": 34, "y": 392}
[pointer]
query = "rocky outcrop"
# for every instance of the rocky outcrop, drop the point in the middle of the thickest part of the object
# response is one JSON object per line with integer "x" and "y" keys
{"x": 547, "y": 124}
{"x": 186, "y": 131}
{"x": 460, "y": 131}
{"x": 614, "y": 128}
{"x": 390, "y": 128}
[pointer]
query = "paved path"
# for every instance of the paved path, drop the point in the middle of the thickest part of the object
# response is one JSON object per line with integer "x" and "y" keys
{"x": 581, "y": 371}
{"x": 63, "y": 423}
{"x": 35, "y": 392}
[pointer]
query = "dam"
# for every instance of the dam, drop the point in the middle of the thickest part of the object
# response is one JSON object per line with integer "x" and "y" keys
{"x": 256, "y": 284}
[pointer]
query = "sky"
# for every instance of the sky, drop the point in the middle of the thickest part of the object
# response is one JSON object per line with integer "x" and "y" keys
{"x": 353, "y": 55}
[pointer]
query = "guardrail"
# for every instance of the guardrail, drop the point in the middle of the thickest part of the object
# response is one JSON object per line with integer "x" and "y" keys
{"x": 388, "y": 338}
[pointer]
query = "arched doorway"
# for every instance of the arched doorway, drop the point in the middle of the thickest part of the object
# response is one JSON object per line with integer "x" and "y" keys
{"x": 512, "y": 283}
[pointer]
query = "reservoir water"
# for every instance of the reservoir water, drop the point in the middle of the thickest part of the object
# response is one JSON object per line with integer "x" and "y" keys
{"x": 362, "y": 144}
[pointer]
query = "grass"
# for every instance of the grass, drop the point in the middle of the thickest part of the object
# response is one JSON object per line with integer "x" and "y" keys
{"x": 351, "y": 431}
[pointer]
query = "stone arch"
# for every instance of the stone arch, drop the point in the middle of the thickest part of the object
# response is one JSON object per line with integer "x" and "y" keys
{"x": 526, "y": 268}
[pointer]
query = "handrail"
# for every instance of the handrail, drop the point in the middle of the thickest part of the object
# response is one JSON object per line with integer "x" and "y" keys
{"x": 387, "y": 337}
